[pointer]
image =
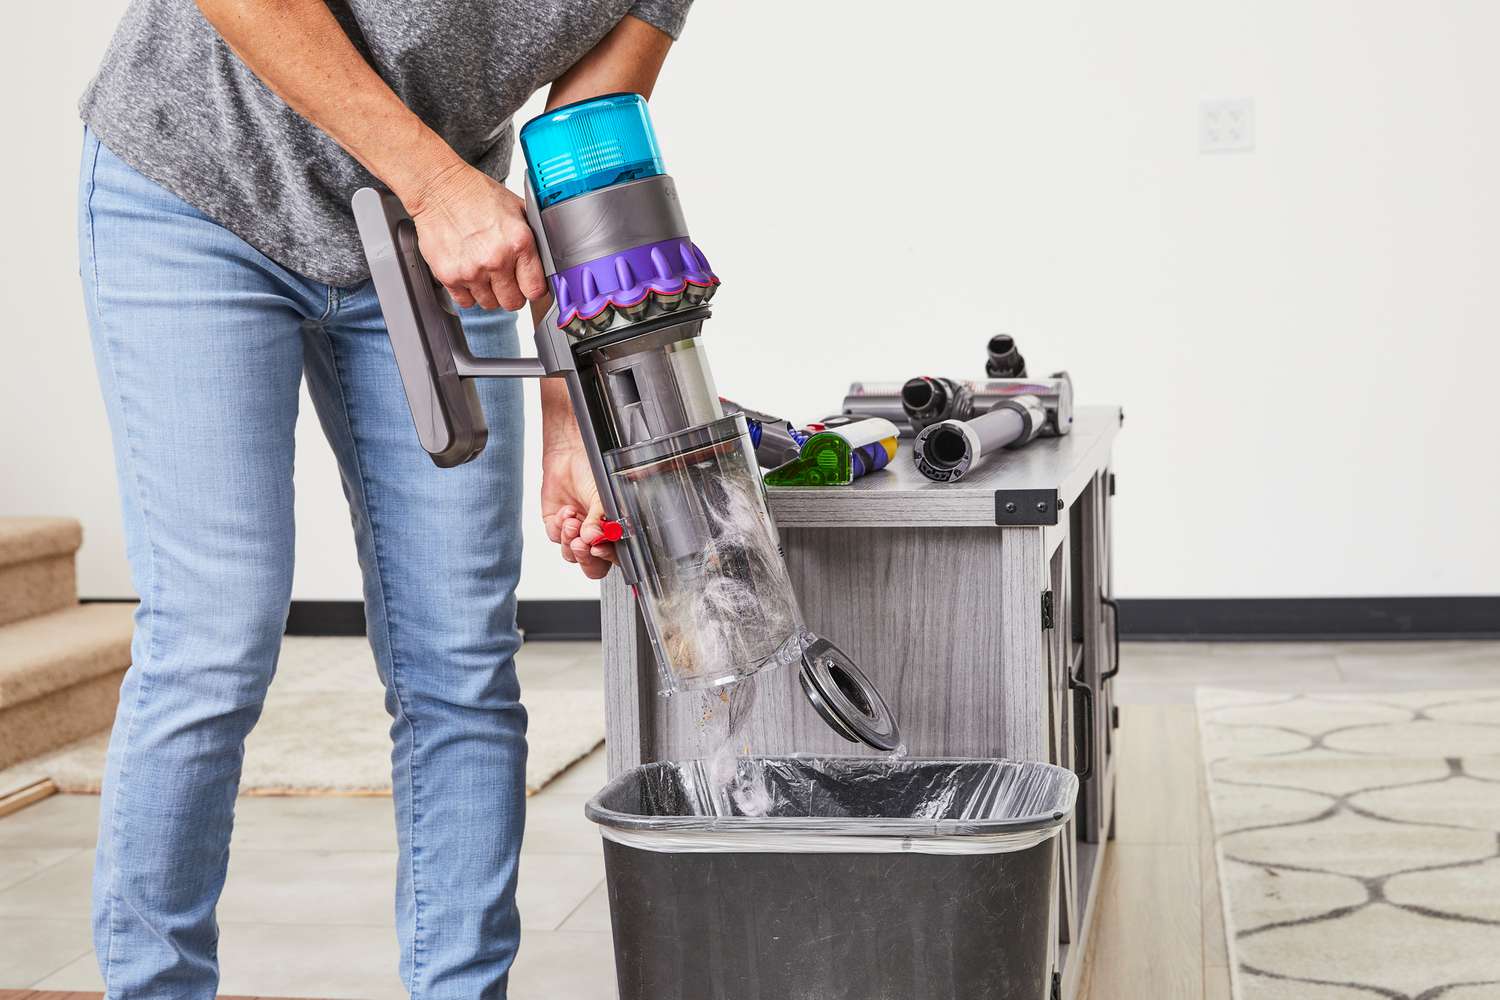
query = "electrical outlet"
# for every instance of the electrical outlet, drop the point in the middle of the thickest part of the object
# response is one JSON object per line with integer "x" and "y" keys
{"x": 1226, "y": 126}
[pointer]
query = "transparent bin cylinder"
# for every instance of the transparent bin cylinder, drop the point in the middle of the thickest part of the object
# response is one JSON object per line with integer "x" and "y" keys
{"x": 713, "y": 587}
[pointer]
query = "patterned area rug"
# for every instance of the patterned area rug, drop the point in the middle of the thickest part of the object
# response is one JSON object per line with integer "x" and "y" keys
{"x": 1359, "y": 842}
{"x": 325, "y": 731}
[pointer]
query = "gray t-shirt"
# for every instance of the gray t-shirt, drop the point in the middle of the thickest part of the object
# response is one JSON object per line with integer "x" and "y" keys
{"x": 175, "y": 103}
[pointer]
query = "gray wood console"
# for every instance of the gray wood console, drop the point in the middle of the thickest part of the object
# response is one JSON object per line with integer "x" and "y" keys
{"x": 978, "y": 608}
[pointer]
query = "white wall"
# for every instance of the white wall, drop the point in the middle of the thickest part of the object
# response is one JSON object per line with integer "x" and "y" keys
{"x": 1305, "y": 337}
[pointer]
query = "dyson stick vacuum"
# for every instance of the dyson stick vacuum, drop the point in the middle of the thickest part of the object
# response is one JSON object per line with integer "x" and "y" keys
{"x": 677, "y": 478}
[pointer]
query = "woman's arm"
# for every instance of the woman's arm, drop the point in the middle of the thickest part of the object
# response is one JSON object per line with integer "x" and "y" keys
{"x": 626, "y": 60}
{"x": 472, "y": 231}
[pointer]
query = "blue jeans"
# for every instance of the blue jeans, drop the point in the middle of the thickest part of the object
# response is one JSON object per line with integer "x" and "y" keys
{"x": 200, "y": 343}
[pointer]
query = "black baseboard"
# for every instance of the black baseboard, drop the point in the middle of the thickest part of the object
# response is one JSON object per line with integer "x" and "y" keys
{"x": 1258, "y": 619}
{"x": 1145, "y": 619}
{"x": 539, "y": 620}
{"x": 559, "y": 620}
{"x": 326, "y": 618}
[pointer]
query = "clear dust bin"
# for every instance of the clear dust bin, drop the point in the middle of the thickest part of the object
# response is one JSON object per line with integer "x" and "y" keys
{"x": 857, "y": 878}
{"x": 720, "y": 605}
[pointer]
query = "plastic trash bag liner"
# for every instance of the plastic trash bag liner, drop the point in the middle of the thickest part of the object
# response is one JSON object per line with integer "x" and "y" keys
{"x": 837, "y": 804}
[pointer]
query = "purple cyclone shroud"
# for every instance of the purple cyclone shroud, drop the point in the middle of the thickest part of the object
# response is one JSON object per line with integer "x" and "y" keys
{"x": 627, "y": 277}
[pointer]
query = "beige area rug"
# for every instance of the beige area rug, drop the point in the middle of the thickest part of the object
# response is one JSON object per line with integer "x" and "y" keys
{"x": 1358, "y": 839}
{"x": 325, "y": 731}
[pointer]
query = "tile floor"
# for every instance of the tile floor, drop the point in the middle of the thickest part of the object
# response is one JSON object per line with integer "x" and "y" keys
{"x": 307, "y": 907}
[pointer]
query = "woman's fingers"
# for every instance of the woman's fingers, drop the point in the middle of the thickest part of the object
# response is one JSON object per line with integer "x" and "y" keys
{"x": 503, "y": 287}
{"x": 529, "y": 276}
{"x": 593, "y": 567}
{"x": 482, "y": 294}
{"x": 554, "y": 528}
{"x": 590, "y": 529}
{"x": 592, "y": 535}
{"x": 568, "y": 535}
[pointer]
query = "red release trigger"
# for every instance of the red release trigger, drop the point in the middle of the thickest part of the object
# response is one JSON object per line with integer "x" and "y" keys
{"x": 611, "y": 531}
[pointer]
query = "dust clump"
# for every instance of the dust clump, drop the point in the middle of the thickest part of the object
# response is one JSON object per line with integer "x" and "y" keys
{"x": 730, "y": 607}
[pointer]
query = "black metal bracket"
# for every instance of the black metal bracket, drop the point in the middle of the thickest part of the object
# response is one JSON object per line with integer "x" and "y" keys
{"x": 1027, "y": 508}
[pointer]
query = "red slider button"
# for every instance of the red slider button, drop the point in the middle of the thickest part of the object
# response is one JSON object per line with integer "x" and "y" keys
{"x": 611, "y": 531}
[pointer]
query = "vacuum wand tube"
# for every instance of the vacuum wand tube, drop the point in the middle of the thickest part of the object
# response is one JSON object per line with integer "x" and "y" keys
{"x": 947, "y": 450}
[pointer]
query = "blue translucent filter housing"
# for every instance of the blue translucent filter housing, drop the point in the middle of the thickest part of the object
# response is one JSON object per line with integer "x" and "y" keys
{"x": 589, "y": 145}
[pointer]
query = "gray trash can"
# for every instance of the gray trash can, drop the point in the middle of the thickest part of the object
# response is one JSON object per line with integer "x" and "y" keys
{"x": 855, "y": 878}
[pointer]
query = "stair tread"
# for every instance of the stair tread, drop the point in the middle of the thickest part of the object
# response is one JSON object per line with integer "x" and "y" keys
{"x": 56, "y": 650}
{"x": 23, "y": 539}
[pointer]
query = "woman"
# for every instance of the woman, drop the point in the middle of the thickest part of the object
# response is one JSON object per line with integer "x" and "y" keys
{"x": 220, "y": 266}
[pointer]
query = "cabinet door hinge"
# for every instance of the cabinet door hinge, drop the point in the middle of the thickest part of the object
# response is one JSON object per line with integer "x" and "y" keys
{"x": 1047, "y": 617}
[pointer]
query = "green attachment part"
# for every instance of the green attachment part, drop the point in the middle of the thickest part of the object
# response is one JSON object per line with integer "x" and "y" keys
{"x": 826, "y": 460}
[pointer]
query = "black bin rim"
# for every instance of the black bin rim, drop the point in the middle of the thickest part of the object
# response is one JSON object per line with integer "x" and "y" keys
{"x": 616, "y": 819}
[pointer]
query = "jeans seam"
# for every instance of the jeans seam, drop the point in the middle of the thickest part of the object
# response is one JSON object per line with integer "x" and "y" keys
{"x": 364, "y": 498}
{"x": 330, "y": 305}
{"x": 152, "y": 579}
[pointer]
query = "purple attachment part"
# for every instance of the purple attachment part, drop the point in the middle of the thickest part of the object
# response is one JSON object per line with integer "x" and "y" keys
{"x": 627, "y": 277}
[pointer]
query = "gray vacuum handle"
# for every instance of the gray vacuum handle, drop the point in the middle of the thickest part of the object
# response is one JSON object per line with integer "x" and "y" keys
{"x": 432, "y": 353}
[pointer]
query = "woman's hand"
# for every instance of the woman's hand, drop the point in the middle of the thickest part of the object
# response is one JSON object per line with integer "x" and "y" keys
{"x": 572, "y": 511}
{"x": 473, "y": 235}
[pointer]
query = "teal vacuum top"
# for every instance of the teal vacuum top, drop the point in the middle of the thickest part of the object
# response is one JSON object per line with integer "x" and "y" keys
{"x": 588, "y": 145}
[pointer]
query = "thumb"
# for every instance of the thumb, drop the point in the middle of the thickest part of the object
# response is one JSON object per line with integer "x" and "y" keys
{"x": 591, "y": 532}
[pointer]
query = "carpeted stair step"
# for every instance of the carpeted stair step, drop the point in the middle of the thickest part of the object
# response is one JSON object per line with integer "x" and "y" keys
{"x": 36, "y": 565}
{"x": 60, "y": 677}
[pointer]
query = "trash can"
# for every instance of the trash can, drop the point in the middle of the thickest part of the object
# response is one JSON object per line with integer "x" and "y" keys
{"x": 835, "y": 878}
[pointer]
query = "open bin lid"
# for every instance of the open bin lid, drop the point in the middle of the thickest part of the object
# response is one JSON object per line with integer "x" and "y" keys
{"x": 846, "y": 699}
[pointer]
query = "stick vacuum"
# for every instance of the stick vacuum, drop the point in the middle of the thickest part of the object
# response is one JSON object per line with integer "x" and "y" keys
{"x": 675, "y": 474}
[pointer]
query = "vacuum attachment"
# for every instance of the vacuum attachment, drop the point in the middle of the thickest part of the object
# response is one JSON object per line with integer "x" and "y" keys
{"x": 1004, "y": 360}
{"x": 926, "y": 400}
{"x": 945, "y": 451}
{"x": 917, "y": 402}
